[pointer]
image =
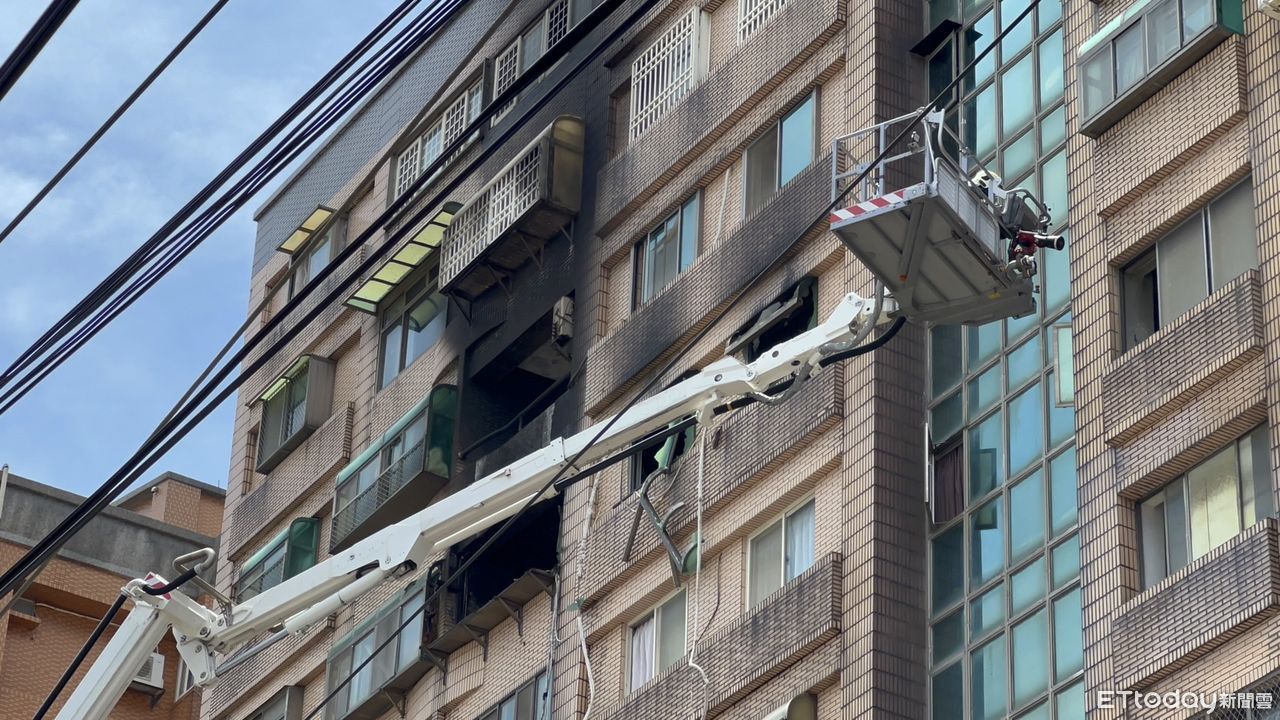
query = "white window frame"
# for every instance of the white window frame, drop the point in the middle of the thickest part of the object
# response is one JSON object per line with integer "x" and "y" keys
{"x": 655, "y": 613}
{"x": 782, "y": 566}
{"x": 651, "y": 76}
{"x": 186, "y": 679}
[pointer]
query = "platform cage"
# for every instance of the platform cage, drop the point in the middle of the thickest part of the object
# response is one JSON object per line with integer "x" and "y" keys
{"x": 950, "y": 243}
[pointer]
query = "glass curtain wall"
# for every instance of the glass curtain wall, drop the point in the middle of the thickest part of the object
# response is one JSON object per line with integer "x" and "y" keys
{"x": 1005, "y": 629}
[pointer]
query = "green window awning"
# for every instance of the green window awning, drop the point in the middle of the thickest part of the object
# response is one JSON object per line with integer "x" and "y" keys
{"x": 412, "y": 256}
{"x": 304, "y": 232}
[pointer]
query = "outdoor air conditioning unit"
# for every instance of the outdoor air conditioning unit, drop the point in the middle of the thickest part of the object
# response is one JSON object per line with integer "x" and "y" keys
{"x": 151, "y": 674}
{"x": 1270, "y": 8}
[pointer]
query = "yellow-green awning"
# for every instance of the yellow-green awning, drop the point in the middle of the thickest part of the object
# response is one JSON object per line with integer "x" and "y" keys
{"x": 305, "y": 230}
{"x": 404, "y": 261}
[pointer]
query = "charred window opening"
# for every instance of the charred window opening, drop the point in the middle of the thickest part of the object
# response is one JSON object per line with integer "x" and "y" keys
{"x": 788, "y": 315}
{"x": 509, "y": 400}
{"x": 528, "y": 551}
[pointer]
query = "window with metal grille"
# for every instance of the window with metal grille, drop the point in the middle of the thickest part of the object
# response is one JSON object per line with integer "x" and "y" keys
{"x": 439, "y": 134}
{"x": 667, "y": 70}
{"x": 753, "y": 14}
{"x": 515, "y": 59}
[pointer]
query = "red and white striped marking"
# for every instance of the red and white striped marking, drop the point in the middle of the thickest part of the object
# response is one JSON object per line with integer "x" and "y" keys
{"x": 867, "y": 206}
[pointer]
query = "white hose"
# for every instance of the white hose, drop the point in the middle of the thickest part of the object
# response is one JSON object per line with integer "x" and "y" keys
{"x": 705, "y": 424}
{"x": 582, "y": 563}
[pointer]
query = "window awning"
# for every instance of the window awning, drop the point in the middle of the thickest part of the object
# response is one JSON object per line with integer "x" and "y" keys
{"x": 283, "y": 380}
{"x": 300, "y": 236}
{"x": 404, "y": 261}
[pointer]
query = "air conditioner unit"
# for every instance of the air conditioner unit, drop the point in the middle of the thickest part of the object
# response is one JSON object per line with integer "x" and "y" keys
{"x": 151, "y": 674}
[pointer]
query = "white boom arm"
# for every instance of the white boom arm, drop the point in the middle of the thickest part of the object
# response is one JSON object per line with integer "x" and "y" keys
{"x": 309, "y": 597}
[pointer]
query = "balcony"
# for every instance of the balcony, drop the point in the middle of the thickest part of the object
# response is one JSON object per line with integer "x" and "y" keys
{"x": 790, "y": 625}
{"x": 529, "y": 201}
{"x": 399, "y": 474}
{"x": 532, "y": 435}
{"x": 1198, "y": 609}
{"x": 1171, "y": 368}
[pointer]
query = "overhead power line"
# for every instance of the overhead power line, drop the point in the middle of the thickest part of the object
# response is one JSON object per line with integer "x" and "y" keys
{"x": 111, "y": 121}
{"x": 103, "y": 304}
{"x": 174, "y": 429}
{"x": 33, "y": 42}
{"x": 121, "y": 479}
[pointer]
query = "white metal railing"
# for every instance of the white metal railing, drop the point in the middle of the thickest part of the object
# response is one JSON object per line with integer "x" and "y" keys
{"x": 753, "y": 14}
{"x": 516, "y": 188}
{"x": 666, "y": 71}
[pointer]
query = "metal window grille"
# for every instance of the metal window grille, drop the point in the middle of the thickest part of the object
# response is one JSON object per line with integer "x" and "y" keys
{"x": 506, "y": 68}
{"x": 492, "y": 212}
{"x": 389, "y": 482}
{"x": 753, "y": 14}
{"x": 665, "y": 72}
{"x": 558, "y": 21}
{"x": 407, "y": 167}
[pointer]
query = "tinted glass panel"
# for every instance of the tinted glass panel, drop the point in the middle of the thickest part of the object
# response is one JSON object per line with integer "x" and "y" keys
{"x": 986, "y": 546}
{"x": 987, "y": 701}
{"x": 1018, "y": 108}
{"x": 1026, "y": 516}
{"x": 797, "y": 140}
{"x": 948, "y": 567}
{"x": 1030, "y": 658}
{"x": 1130, "y": 64}
{"x": 1026, "y": 429}
{"x": 1180, "y": 257}
{"x": 1232, "y": 234}
{"x": 1097, "y": 82}
{"x": 986, "y": 456}
{"x": 1162, "y": 32}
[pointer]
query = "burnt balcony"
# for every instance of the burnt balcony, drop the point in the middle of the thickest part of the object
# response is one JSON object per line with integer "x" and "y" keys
{"x": 527, "y": 203}
{"x": 399, "y": 474}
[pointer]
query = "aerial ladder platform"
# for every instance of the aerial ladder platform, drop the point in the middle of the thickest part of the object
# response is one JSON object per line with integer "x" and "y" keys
{"x": 950, "y": 243}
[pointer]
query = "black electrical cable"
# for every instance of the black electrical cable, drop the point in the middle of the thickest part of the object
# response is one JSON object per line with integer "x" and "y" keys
{"x": 10, "y": 576}
{"x": 869, "y": 347}
{"x": 111, "y": 121}
{"x": 140, "y": 256}
{"x": 92, "y": 640}
{"x": 33, "y": 42}
{"x": 198, "y": 230}
{"x": 149, "y": 453}
{"x": 96, "y": 635}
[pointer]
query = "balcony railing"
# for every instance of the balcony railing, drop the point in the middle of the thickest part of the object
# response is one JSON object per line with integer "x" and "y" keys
{"x": 529, "y": 201}
{"x": 372, "y": 507}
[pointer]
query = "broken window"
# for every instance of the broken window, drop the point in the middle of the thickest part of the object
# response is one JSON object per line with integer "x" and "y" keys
{"x": 788, "y": 315}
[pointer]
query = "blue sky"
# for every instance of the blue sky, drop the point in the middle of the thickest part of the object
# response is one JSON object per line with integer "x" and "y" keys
{"x": 248, "y": 65}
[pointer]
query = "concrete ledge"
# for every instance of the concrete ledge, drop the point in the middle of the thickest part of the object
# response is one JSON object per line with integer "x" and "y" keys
{"x": 1199, "y": 608}
{"x": 792, "y": 623}
{"x": 1180, "y": 361}
{"x": 1172, "y": 127}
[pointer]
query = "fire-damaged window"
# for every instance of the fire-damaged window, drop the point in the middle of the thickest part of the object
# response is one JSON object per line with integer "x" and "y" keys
{"x": 511, "y": 573}
{"x": 788, "y": 315}
{"x": 663, "y": 453}
{"x": 510, "y": 398}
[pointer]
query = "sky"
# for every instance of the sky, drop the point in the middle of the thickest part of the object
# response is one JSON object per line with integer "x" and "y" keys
{"x": 247, "y": 66}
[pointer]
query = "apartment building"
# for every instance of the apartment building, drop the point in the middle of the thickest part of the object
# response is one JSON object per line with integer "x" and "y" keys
{"x": 898, "y": 539}
{"x": 166, "y": 517}
{"x": 1173, "y": 186}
